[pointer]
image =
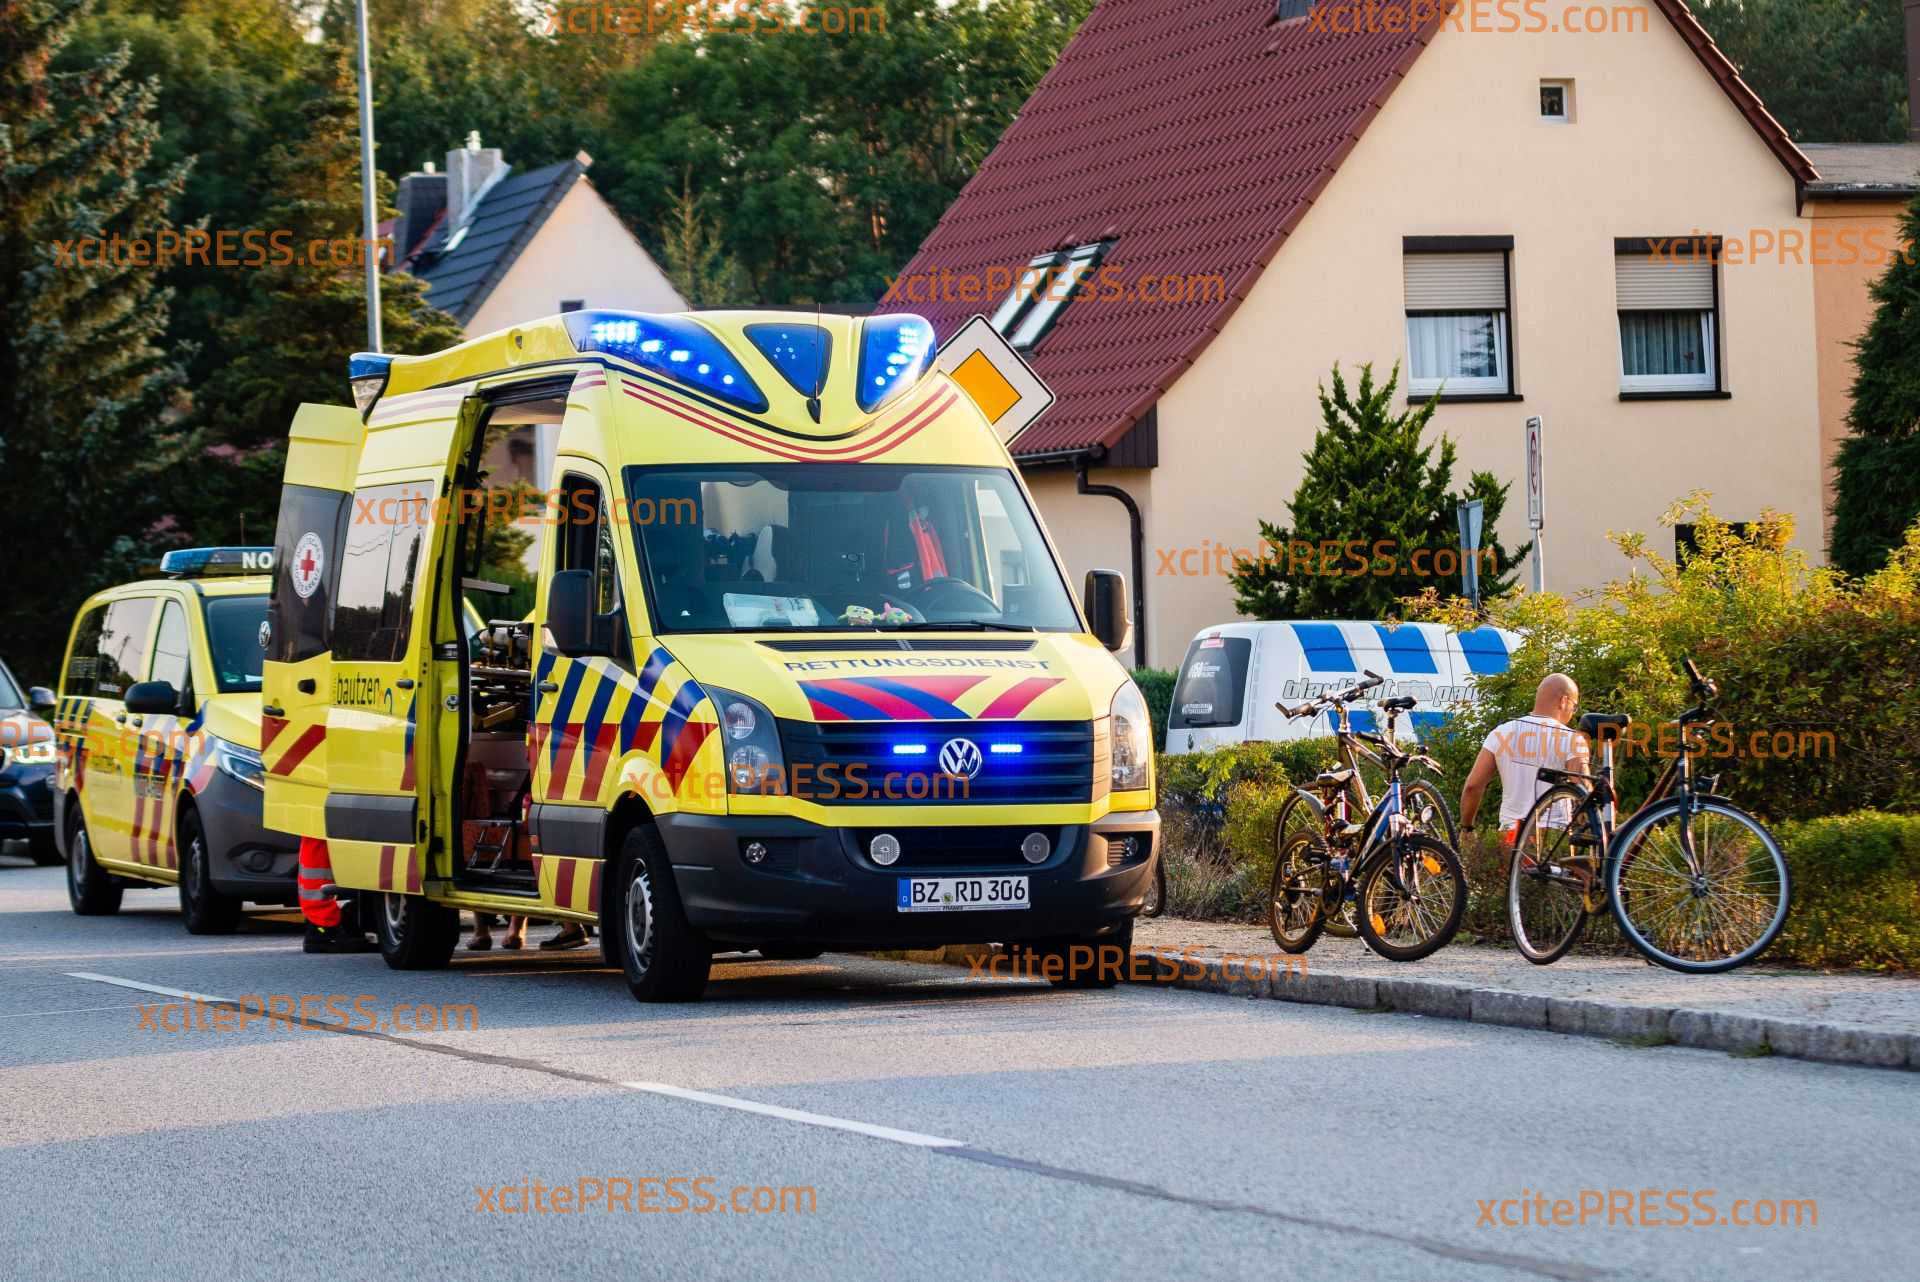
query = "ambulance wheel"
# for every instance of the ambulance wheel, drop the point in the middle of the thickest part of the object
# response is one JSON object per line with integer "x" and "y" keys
{"x": 204, "y": 910}
{"x": 91, "y": 889}
{"x": 644, "y": 930}
{"x": 415, "y": 933}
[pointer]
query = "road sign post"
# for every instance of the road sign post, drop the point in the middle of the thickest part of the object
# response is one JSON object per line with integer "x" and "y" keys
{"x": 1536, "y": 504}
{"x": 1472, "y": 514}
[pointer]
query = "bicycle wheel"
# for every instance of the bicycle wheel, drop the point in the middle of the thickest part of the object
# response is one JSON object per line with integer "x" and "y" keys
{"x": 1701, "y": 892}
{"x": 1550, "y": 876}
{"x": 1427, "y": 810}
{"x": 1413, "y": 895}
{"x": 1301, "y": 883}
{"x": 1298, "y": 816}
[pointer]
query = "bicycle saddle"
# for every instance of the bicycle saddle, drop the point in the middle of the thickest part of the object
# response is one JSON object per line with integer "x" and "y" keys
{"x": 1403, "y": 704}
{"x": 1333, "y": 778}
{"x": 1592, "y": 724}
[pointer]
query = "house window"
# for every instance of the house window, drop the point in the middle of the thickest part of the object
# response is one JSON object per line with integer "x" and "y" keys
{"x": 572, "y": 304}
{"x": 1669, "y": 319}
{"x": 1457, "y": 322}
{"x": 1556, "y": 101}
{"x": 1290, "y": 10}
{"x": 1049, "y": 283}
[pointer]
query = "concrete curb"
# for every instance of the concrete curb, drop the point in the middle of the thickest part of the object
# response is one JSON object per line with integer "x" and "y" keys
{"x": 1718, "y": 1030}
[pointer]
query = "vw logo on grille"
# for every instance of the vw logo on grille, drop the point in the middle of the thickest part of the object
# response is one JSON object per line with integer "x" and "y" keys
{"x": 960, "y": 758}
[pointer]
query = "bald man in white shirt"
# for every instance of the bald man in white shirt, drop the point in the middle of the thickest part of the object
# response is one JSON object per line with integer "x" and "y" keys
{"x": 1516, "y": 750}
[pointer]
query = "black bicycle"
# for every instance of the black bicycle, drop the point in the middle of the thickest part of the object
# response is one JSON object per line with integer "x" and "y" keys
{"x": 1421, "y": 802}
{"x": 1409, "y": 890}
{"x": 1696, "y": 883}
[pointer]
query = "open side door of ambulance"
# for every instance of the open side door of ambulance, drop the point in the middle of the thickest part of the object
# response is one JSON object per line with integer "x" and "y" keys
{"x": 323, "y": 456}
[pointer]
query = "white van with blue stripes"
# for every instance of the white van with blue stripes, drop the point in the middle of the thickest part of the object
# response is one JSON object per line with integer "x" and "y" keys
{"x": 1234, "y": 674}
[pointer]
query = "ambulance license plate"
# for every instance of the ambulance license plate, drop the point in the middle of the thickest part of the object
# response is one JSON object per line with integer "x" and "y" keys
{"x": 962, "y": 894}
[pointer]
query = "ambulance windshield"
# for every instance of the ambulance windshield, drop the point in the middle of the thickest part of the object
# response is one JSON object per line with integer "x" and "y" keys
{"x": 817, "y": 547}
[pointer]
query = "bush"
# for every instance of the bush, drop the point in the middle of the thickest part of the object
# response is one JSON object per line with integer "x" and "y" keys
{"x": 1796, "y": 649}
{"x": 1856, "y": 892}
{"x": 1218, "y": 810}
{"x": 1157, "y": 685}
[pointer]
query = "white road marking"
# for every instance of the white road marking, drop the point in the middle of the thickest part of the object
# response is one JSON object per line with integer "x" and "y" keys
{"x": 145, "y": 988}
{"x": 914, "y": 1138}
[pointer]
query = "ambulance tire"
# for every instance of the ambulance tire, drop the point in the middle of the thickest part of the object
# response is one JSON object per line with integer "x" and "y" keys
{"x": 414, "y": 932}
{"x": 662, "y": 957}
{"x": 91, "y": 889}
{"x": 204, "y": 910}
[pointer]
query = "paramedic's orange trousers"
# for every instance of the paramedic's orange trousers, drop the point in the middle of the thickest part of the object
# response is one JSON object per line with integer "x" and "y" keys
{"x": 316, "y": 872}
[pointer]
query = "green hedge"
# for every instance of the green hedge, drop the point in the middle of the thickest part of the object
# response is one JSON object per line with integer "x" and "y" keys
{"x": 1856, "y": 892}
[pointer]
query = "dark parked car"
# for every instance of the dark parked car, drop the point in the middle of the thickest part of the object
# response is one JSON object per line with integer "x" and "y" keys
{"x": 27, "y": 760}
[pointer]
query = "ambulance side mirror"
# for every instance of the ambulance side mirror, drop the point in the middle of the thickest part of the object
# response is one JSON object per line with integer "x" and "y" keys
{"x": 570, "y": 612}
{"x": 156, "y": 697}
{"x": 1107, "y": 610}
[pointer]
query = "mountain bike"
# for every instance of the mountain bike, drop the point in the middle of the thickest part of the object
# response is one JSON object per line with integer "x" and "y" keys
{"x": 1409, "y": 890}
{"x": 1695, "y": 883}
{"x": 1421, "y": 802}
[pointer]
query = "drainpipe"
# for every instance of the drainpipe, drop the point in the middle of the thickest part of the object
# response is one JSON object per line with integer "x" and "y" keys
{"x": 1137, "y": 531}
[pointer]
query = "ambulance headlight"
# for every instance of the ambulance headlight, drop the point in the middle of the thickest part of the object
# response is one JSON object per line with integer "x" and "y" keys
{"x": 240, "y": 763}
{"x": 751, "y": 742}
{"x": 1132, "y": 730}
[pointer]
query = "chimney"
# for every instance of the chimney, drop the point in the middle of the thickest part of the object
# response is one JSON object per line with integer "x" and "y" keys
{"x": 420, "y": 198}
{"x": 1913, "y": 70}
{"x": 468, "y": 172}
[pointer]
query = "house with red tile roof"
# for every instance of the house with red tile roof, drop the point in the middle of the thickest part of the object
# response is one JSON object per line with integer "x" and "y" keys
{"x": 1574, "y": 212}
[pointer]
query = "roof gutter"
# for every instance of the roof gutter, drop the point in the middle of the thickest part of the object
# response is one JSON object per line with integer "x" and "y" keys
{"x": 1137, "y": 533}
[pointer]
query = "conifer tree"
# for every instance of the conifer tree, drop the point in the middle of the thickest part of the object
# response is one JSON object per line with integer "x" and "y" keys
{"x": 88, "y": 391}
{"x": 1372, "y": 497}
{"x": 1877, "y": 470}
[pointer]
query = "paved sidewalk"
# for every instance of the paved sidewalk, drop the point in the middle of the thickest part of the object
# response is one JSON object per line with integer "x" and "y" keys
{"x": 1843, "y": 1017}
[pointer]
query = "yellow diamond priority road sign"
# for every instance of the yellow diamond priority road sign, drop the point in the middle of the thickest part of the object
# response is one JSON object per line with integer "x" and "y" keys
{"x": 995, "y": 377}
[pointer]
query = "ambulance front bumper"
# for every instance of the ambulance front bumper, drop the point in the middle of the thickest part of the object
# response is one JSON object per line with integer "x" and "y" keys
{"x": 246, "y": 858}
{"x": 820, "y": 885}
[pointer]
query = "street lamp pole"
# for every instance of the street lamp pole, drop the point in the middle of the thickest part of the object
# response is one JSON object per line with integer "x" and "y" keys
{"x": 369, "y": 207}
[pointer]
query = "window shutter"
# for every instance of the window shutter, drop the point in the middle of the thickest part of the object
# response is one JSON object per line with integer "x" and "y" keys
{"x": 1456, "y": 282}
{"x": 1646, "y": 284}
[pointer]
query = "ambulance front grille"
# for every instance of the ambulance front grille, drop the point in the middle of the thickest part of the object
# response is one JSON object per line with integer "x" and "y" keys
{"x": 900, "y": 762}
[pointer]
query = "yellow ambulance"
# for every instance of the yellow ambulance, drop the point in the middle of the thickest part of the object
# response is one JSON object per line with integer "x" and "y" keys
{"x": 803, "y": 670}
{"x": 158, "y": 726}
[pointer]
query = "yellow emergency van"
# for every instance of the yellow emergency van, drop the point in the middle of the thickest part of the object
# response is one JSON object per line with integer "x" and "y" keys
{"x": 803, "y": 670}
{"x": 158, "y": 727}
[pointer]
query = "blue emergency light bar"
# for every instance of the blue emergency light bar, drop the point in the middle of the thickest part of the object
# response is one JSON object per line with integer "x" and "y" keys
{"x": 210, "y": 563}
{"x": 673, "y": 347}
{"x": 894, "y": 352}
{"x": 367, "y": 374}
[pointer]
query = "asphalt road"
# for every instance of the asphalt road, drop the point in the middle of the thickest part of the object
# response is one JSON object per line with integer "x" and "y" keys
{"x": 945, "y": 1126}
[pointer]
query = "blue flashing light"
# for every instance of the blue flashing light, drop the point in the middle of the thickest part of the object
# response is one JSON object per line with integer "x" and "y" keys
{"x": 802, "y": 353}
{"x": 367, "y": 376}
{"x": 894, "y": 352}
{"x": 205, "y": 563}
{"x": 909, "y": 749}
{"x": 672, "y": 346}
{"x": 1015, "y": 748}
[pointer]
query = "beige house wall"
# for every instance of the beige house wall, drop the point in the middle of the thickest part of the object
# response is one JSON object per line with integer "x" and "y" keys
{"x": 1860, "y": 234}
{"x": 582, "y": 251}
{"x": 1656, "y": 149}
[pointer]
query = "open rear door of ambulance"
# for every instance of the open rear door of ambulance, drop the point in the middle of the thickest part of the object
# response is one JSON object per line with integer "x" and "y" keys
{"x": 323, "y": 456}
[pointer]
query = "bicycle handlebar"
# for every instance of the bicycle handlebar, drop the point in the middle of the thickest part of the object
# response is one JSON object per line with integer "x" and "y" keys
{"x": 1348, "y": 695}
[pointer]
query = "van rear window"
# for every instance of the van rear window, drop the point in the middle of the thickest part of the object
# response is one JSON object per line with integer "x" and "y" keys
{"x": 1212, "y": 687}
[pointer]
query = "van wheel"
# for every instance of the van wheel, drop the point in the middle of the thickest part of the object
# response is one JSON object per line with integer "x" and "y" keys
{"x": 91, "y": 889}
{"x": 415, "y": 933}
{"x": 643, "y": 929}
{"x": 1094, "y": 967}
{"x": 205, "y": 911}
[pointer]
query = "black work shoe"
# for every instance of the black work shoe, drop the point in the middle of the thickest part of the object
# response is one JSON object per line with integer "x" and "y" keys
{"x": 335, "y": 939}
